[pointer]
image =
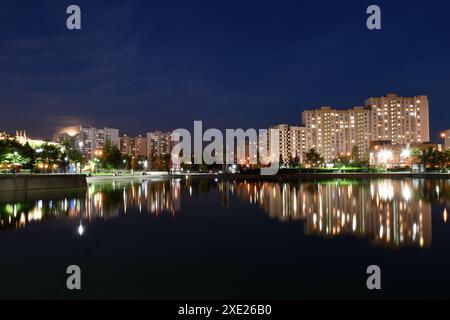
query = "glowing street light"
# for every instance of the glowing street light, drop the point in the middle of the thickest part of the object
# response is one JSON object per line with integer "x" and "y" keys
{"x": 406, "y": 153}
{"x": 385, "y": 156}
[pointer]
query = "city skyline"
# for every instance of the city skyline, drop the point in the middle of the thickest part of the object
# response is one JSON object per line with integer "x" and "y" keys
{"x": 74, "y": 129}
{"x": 393, "y": 121}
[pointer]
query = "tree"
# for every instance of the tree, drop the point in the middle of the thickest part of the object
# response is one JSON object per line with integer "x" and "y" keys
{"x": 161, "y": 163}
{"x": 433, "y": 158}
{"x": 48, "y": 157}
{"x": 294, "y": 162}
{"x": 112, "y": 158}
{"x": 72, "y": 152}
{"x": 342, "y": 161}
{"x": 14, "y": 154}
{"x": 203, "y": 167}
{"x": 282, "y": 163}
{"x": 28, "y": 152}
{"x": 14, "y": 160}
{"x": 313, "y": 159}
{"x": 355, "y": 154}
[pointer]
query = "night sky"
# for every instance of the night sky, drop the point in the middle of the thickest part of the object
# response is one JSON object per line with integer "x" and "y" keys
{"x": 145, "y": 65}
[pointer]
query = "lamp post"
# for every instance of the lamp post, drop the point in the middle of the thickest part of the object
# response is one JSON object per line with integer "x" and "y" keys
{"x": 444, "y": 138}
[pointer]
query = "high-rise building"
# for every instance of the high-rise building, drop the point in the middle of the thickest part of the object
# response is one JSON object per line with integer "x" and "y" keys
{"x": 133, "y": 146}
{"x": 283, "y": 141}
{"x": 92, "y": 140}
{"x": 397, "y": 120}
{"x": 402, "y": 120}
{"x": 294, "y": 141}
{"x": 335, "y": 133}
{"x": 158, "y": 144}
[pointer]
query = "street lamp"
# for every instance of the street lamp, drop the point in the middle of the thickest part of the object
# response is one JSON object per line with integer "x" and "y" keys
{"x": 444, "y": 137}
{"x": 406, "y": 153}
{"x": 384, "y": 156}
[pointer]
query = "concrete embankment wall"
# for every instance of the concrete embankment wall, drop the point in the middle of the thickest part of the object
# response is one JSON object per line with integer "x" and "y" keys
{"x": 40, "y": 182}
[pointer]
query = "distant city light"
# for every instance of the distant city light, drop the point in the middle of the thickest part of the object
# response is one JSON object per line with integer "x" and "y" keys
{"x": 80, "y": 229}
{"x": 385, "y": 155}
{"x": 71, "y": 131}
{"x": 406, "y": 153}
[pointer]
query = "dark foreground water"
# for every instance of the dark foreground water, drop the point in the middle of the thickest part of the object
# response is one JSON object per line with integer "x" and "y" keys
{"x": 201, "y": 238}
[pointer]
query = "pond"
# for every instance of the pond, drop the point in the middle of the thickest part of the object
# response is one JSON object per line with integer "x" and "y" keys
{"x": 211, "y": 238}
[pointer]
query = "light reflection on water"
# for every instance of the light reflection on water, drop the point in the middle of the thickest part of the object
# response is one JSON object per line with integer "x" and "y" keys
{"x": 392, "y": 213}
{"x": 388, "y": 212}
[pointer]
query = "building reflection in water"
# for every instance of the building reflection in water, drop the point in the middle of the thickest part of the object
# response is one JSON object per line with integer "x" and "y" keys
{"x": 103, "y": 200}
{"x": 393, "y": 213}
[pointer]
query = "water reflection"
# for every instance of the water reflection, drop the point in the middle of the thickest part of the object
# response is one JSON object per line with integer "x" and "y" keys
{"x": 393, "y": 213}
{"x": 101, "y": 200}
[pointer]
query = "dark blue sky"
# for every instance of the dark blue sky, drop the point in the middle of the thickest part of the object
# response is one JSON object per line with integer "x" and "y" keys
{"x": 146, "y": 65}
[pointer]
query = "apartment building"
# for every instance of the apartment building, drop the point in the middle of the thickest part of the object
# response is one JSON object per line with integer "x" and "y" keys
{"x": 133, "y": 146}
{"x": 92, "y": 140}
{"x": 293, "y": 141}
{"x": 158, "y": 144}
{"x": 335, "y": 133}
{"x": 402, "y": 120}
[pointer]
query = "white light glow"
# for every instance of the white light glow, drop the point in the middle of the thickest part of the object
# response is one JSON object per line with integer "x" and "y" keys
{"x": 80, "y": 229}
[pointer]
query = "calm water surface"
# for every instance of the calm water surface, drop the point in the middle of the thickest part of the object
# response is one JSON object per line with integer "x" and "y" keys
{"x": 202, "y": 238}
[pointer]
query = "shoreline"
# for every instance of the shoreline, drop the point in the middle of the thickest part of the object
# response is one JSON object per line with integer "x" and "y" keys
{"x": 324, "y": 176}
{"x": 19, "y": 182}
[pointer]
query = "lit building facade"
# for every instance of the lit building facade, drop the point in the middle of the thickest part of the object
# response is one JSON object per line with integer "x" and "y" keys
{"x": 388, "y": 155}
{"x": 159, "y": 144}
{"x": 402, "y": 120}
{"x": 133, "y": 146}
{"x": 92, "y": 140}
{"x": 293, "y": 141}
{"x": 335, "y": 133}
